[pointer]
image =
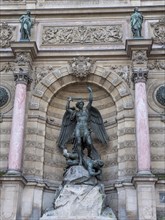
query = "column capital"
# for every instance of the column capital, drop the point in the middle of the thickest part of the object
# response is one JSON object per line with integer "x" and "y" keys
{"x": 139, "y": 75}
{"x": 22, "y": 77}
{"x": 138, "y": 45}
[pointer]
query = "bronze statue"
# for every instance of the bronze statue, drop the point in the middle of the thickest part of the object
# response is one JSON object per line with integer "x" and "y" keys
{"x": 26, "y": 25}
{"x": 136, "y": 23}
{"x": 78, "y": 124}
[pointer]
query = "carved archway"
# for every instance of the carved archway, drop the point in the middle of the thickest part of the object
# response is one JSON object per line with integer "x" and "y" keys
{"x": 110, "y": 85}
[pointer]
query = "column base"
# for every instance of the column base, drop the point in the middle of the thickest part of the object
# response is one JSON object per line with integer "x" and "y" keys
{"x": 13, "y": 172}
{"x": 144, "y": 173}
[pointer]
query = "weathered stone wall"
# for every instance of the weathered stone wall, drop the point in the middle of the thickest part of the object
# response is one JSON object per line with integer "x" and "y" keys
{"x": 100, "y": 34}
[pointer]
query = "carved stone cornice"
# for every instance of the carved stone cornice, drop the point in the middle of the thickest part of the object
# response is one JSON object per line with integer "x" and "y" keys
{"x": 139, "y": 75}
{"x": 22, "y": 77}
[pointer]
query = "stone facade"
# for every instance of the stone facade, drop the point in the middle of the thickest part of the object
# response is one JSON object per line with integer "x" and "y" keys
{"x": 75, "y": 43}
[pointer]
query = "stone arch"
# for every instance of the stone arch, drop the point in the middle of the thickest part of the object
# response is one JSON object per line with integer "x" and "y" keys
{"x": 60, "y": 78}
{"x": 57, "y": 81}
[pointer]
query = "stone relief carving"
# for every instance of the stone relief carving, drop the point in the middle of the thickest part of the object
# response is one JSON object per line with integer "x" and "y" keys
{"x": 81, "y": 35}
{"x": 139, "y": 57}
{"x": 159, "y": 32}
{"x": 23, "y": 59}
{"x": 81, "y": 66}
{"x": 6, "y": 67}
{"x": 122, "y": 71}
{"x": 156, "y": 65}
{"x": 6, "y": 34}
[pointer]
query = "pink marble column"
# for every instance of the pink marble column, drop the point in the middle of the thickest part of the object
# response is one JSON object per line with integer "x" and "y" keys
{"x": 142, "y": 127}
{"x": 17, "y": 130}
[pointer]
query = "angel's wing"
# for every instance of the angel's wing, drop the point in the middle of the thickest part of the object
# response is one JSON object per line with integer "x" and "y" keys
{"x": 97, "y": 125}
{"x": 67, "y": 129}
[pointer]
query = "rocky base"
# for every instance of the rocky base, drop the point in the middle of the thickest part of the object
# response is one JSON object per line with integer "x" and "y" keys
{"x": 80, "y": 197}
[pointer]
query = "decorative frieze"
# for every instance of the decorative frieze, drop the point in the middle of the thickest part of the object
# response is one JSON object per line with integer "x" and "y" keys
{"x": 82, "y": 35}
{"x": 127, "y": 172}
{"x": 156, "y": 65}
{"x": 159, "y": 32}
{"x": 155, "y": 157}
{"x": 31, "y": 157}
{"x": 157, "y": 130}
{"x": 32, "y": 171}
{"x": 34, "y": 144}
{"x": 157, "y": 144}
{"x": 126, "y": 131}
{"x": 52, "y": 176}
{"x": 127, "y": 144}
{"x": 7, "y": 67}
{"x": 81, "y": 66}
{"x": 6, "y": 34}
{"x": 128, "y": 157}
{"x": 139, "y": 75}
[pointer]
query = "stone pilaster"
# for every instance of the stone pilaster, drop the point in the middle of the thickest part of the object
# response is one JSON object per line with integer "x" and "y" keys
{"x": 24, "y": 54}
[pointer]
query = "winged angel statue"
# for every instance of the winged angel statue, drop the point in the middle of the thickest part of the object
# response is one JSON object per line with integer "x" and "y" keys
{"x": 77, "y": 126}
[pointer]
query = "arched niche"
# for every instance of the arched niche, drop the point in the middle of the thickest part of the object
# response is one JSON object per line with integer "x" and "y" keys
{"x": 111, "y": 95}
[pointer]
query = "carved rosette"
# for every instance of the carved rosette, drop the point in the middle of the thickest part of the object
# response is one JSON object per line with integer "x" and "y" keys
{"x": 159, "y": 31}
{"x": 81, "y": 35}
{"x": 139, "y": 75}
{"x": 139, "y": 57}
{"x": 22, "y": 77}
{"x": 6, "y": 34}
{"x": 81, "y": 66}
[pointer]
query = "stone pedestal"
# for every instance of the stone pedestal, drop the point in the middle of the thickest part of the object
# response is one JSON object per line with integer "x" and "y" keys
{"x": 11, "y": 197}
{"x": 79, "y": 197}
{"x": 145, "y": 188}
